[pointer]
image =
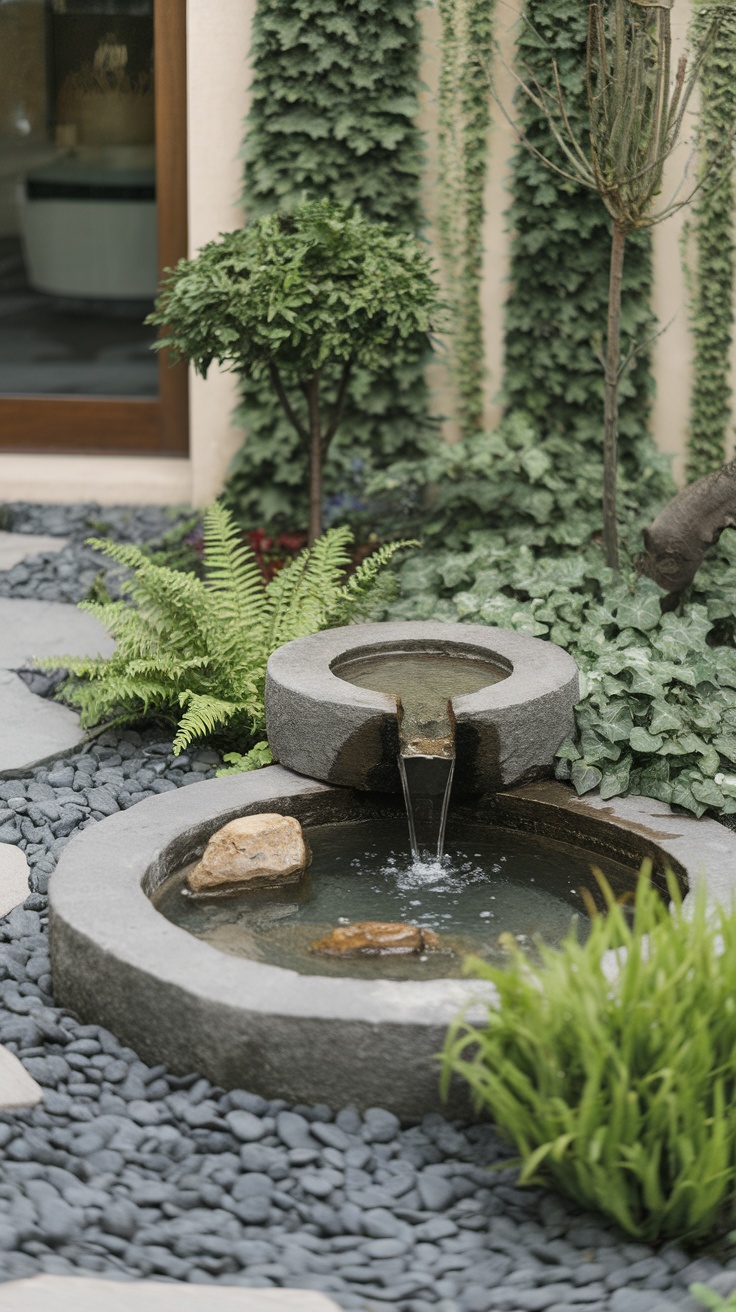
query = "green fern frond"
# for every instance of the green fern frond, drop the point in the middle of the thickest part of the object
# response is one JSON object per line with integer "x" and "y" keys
{"x": 239, "y": 763}
{"x": 300, "y": 594}
{"x": 195, "y": 651}
{"x": 231, "y": 567}
{"x": 203, "y": 716}
{"x": 367, "y": 587}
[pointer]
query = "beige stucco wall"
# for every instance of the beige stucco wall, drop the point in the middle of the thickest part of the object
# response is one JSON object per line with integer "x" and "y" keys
{"x": 218, "y": 78}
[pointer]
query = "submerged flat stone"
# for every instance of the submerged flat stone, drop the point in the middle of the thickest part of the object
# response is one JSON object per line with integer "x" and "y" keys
{"x": 376, "y": 938}
{"x": 17, "y": 1088}
{"x": 83, "y": 1294}
{"x": 13, "y": 877}
{"x": 15, "y": 547}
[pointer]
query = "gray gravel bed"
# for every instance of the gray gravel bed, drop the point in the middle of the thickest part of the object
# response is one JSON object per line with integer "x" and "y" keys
{"x": 67, "y": 575}
{"x": 125, "y": 1168}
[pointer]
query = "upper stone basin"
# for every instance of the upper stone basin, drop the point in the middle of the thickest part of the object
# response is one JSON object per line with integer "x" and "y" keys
{"x": 506, "y": 732}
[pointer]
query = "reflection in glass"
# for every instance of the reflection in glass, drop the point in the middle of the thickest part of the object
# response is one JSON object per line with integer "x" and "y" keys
{"x": 78, "y": 258}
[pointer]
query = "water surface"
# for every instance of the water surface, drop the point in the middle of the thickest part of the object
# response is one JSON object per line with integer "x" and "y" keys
{"x": 424, "y": 681}
{"x": 491, "y": 882}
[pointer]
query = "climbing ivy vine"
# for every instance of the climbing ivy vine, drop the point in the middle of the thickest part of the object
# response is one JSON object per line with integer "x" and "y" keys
{"x": 334, "y": 109}
{"x": 713, "y": 276}
{"x": 556, "y": 312}
{"x": 464, "y": 120}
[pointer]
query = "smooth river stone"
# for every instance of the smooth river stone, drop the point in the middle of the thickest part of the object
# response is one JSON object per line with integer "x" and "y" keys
{"x": 372, "y": 938}
{"x": 255, "y": 850}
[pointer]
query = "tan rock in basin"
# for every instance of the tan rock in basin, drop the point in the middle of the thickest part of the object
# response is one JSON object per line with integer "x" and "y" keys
{"x": 373, "y": 938}
{"x": 255, "y": 850}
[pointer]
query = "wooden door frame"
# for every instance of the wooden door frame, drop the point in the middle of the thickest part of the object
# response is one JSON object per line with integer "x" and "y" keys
{"x": 124, "y": 425}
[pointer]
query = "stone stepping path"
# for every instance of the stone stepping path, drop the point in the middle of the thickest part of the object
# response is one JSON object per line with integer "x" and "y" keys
{"x": 35, "y": 729}
{"x": 15, "y": 547}
{"x": 13, "y": 877}
{"x": 17, "y": 1088}
{"x": 81, "y": 1294}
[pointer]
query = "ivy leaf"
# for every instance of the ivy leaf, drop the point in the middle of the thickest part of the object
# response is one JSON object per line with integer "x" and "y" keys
{"x": 567, "y": 751}
{"x": 642, "y": 611}
{"x": 647, "y": 682}
{"x": 641, "y": 741}
{"x": 616, "y": 780}
{"x": 710, "y": 761}
{"x": 725, "y": 743}
{"x": 656, "y": 771}
{"x": 585, "y": 777}
{"x": 682, "y": 795}
{"x": 536, "y": 462}
{"x": 707, "y": 792}
{"x": 664, "y": 718}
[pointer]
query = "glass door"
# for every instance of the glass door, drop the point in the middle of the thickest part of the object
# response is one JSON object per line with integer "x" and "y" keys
{"x": 92, "y": 171}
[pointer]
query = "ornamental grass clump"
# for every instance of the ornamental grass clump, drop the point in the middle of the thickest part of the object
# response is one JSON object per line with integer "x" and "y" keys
{"x": 618, "y": 1084}
{"x": 194, "y": 651}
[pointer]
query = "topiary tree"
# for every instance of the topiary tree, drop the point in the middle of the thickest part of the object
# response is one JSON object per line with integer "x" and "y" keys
{"x": 290, "y": 295}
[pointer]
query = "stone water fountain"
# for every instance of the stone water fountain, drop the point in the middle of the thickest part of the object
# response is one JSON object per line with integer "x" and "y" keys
{"x": 247, "y": 989}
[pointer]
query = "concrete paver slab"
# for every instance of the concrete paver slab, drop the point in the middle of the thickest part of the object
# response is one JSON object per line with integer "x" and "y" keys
{"x": 15, "y": 547}
{"x": 47, "y": 628}
{"x": 13, "y": 877}
{"x": 32, "y": 729}
{"x": 79, "y": 1294}
{"x": 17, "y": 1089}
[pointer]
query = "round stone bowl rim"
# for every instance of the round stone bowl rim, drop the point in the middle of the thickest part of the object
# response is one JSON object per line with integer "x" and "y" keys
{"x": 98, "y": 887}
{"x": 535, "y": 667}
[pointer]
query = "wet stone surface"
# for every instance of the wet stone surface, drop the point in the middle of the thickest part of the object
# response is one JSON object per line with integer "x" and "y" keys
{"x": 126, "y": 1169}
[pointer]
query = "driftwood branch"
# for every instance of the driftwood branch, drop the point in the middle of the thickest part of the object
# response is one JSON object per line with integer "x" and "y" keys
{"x": 676, "y": 542}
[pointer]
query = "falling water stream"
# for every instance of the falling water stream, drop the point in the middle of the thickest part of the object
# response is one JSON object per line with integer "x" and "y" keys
{"x": 424, "y": 684}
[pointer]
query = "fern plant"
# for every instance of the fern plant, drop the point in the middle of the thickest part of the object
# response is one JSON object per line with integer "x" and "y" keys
{"x": 195, "y": 650}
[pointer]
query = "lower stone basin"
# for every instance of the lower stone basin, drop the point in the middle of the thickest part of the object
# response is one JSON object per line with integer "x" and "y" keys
{"x": 177, "y": 999}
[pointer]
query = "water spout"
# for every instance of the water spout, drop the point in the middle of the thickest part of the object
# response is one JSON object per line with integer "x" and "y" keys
{"x": 426, "y": 765}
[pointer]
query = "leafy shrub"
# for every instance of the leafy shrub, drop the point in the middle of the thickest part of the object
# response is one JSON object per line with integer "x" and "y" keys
{"x": 658, "y": 711}
{"x": 619, "y": 1091}
{"x": 195, "y": 651}
{"x": 542, "y": 491}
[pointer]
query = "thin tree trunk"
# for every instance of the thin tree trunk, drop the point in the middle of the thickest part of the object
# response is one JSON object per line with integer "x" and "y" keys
{"x": 610, "y": 408}
{"x": 315, "y": 460}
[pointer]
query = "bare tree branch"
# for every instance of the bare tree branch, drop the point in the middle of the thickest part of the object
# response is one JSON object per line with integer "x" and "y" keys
{"x": 286, "y": 403}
